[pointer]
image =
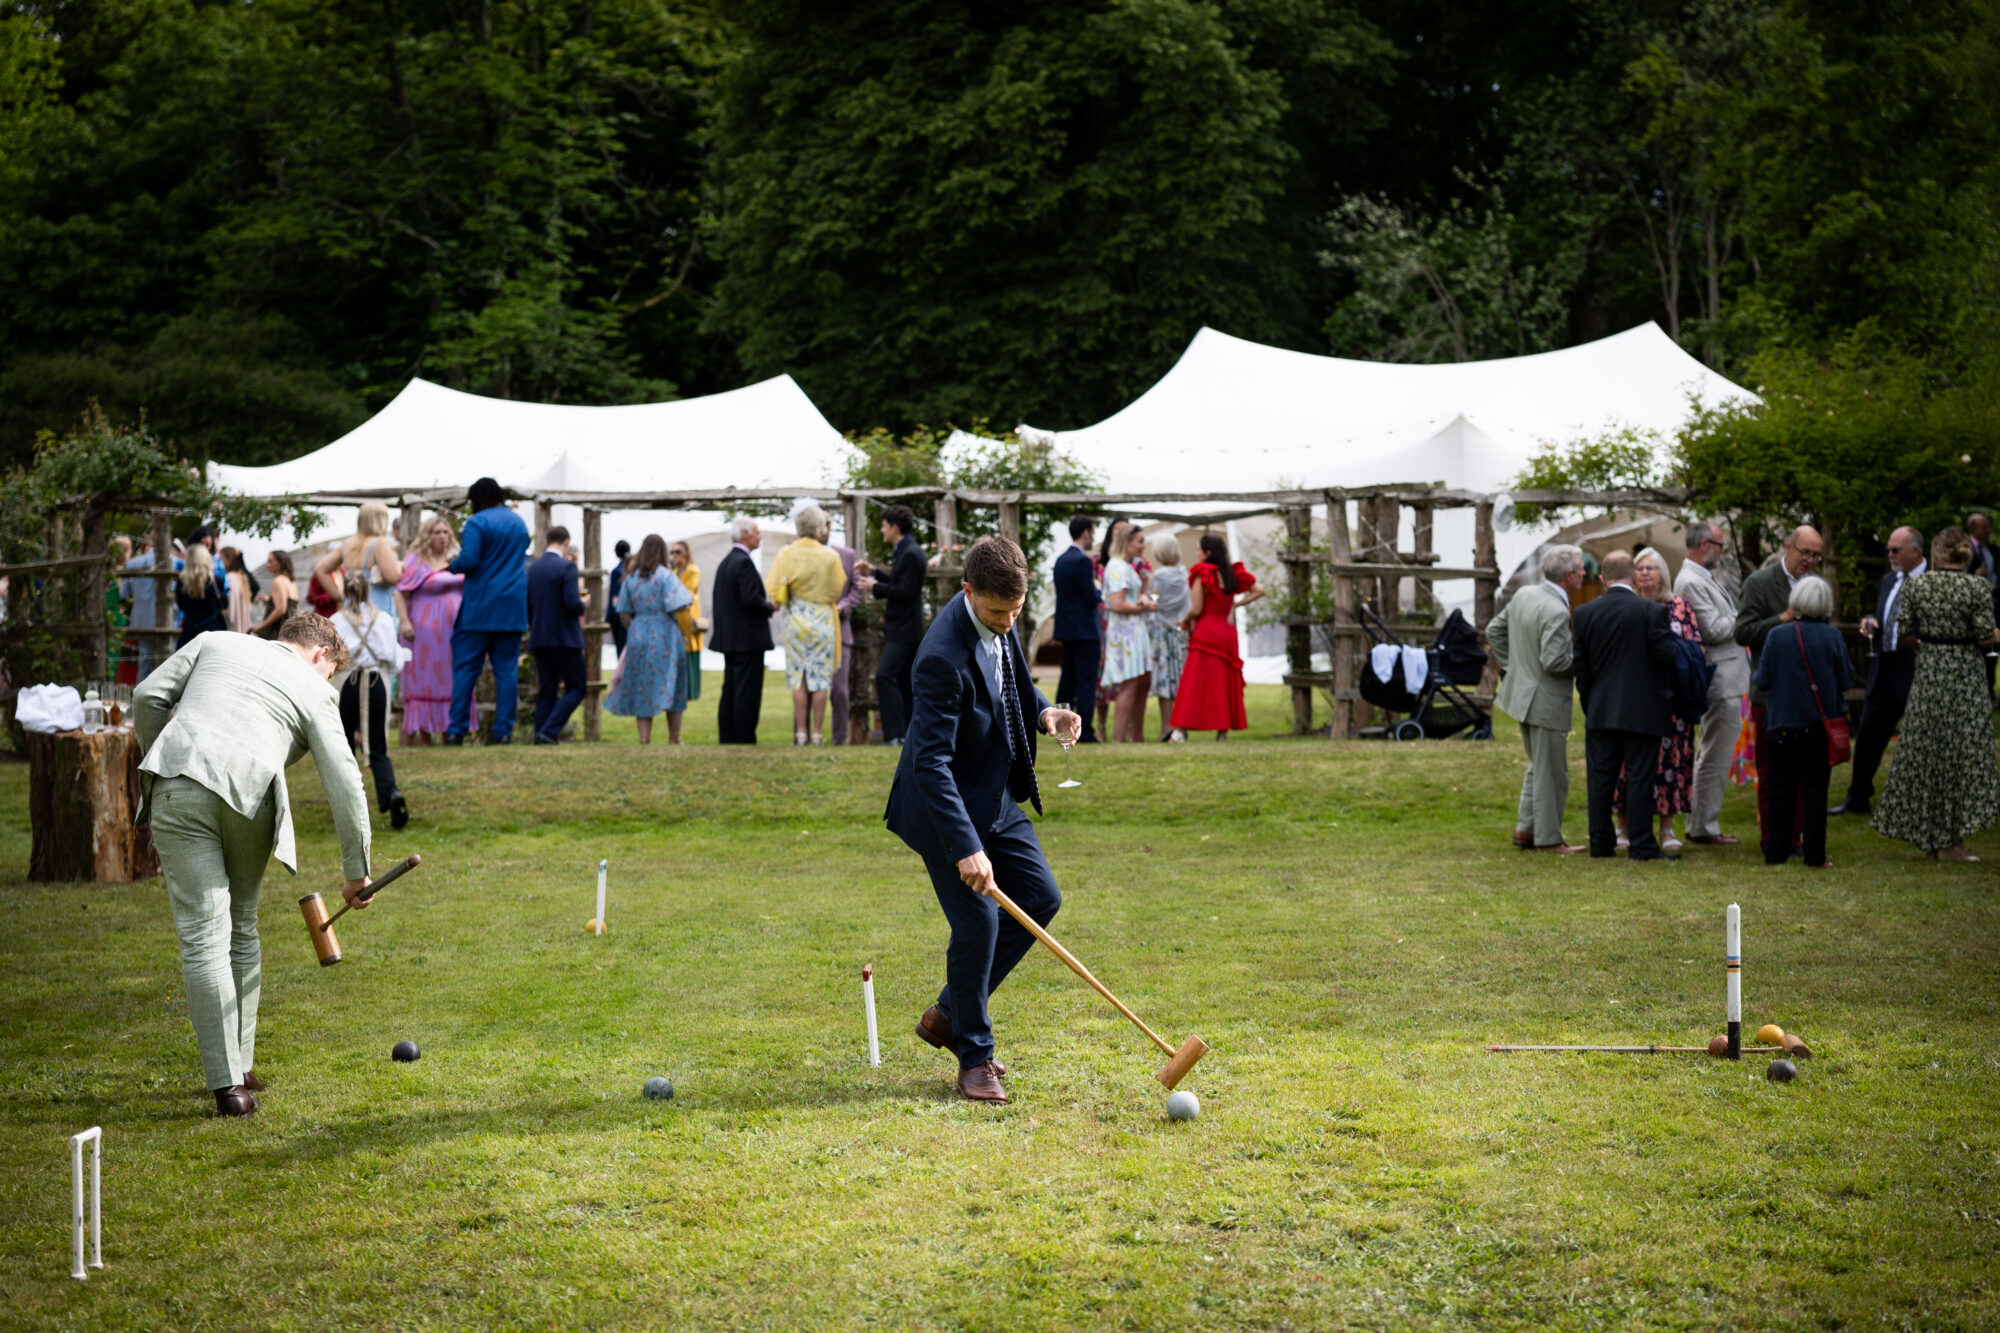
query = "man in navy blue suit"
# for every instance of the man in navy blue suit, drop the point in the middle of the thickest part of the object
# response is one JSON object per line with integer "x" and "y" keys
{"x": 968, "y": 761}
{"x": 1076, "y": 627}
{"x": 555, "y": 636}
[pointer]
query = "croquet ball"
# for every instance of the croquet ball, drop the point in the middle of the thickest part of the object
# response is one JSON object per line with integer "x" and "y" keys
{"x": 659, "y": 1089}
{"x": 1781, "y": 1071}
{"x": 590, "y": 926}
{"x": 1718, "y": 1046}
{"x": 1183, "y": 1105}
{"x": 1770, "y": 1035}
{"x": 404, "y": 1051}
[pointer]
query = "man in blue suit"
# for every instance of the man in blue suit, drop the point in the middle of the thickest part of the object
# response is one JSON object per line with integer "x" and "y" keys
{"x": 968, "y": 761}
{"x": 493, "y": 612}
{"x": 556, "y": 604}
{"x": 1076, "y": 627}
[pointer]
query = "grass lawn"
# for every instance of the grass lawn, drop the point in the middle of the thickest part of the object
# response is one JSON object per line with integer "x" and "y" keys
{"x": 1347, "y": 925}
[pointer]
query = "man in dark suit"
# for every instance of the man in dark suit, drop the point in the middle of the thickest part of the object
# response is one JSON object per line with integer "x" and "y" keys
{"x": 742, "y": 634}
{"x": 556, "y": 604}
{"x": 968, "y": 763}
{"x": 1986, "y": 564}
{"x": 1624, "y": 664}
{"x": 1076, "y": 629}
{"x": 1892, "y": 666}
{"x": 902, "y": 622}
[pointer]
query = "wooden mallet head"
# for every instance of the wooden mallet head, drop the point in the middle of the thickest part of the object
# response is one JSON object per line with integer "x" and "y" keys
{"x": 1184, "y": 1059}
{"x": 320, "y": 926}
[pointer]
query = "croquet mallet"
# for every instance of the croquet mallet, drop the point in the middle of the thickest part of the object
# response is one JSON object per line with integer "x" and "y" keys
{"x": 1181, "y": 1060}
{"x": 320, "y": 926}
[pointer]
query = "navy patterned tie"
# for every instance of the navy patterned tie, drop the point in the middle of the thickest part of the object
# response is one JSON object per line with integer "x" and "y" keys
{"x": 1017, "y": 734}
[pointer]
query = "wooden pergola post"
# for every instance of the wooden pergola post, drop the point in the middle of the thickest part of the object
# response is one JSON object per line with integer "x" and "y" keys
{"x": 1010, "y": 518}
{"x": 854, "y": 522}
{"x": 1424, "y": 513}
{"x": 947, "y": 527}
{"x": 1346, "y": 625}
{"x": 544, "y": 510}
{"x": 1486, "y": 584}
{"x": 1298, "y": 631}
{"x": 409, "y": 524}
{"x": 1388, "y": 534}
{"x": 163, "y": 584}
{"x": 92, "y": 586}
{"x": 595, "y": 626}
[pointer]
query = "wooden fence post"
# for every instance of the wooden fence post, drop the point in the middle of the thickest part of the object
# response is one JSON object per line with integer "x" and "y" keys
{"x": 595, "y": 626}
{"x": 1298, "y": 634}
{"x": 947, "y": 527}
{"x": 1346, "y": 625}
{"x": 1010, "y": 518}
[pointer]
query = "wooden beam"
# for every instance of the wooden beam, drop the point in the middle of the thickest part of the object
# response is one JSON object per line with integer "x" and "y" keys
{"x": 1010, "y": 519}
{"x": 91, "y": 582}
{"x": 1486, "y": 584}
{"x": 595, "y": 626}
{"x": 1422, "y": 513}
{"x": 543, "y": 512}
{"x": 946, "y": 526}
{"x": 1298, "y": 637}
{"x": 163, "y": 570}
{"x": 1390, "y": 534}
{"x": 1344, "y": 618}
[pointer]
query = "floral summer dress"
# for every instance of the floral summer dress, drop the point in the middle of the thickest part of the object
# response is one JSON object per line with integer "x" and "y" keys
{"x": 1673, "y": 782}
{"x": 652, "y": 675}
{"x": 1126, "y": 656}
{"x": 1944, "y": 784}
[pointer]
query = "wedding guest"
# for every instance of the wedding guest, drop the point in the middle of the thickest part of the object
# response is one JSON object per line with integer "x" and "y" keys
{"x": 241, "y": 612}
{"x": 1166, "y": 644}
{"x": 369, "y": 635}
{"x": 1803, "y": 672}
{"x": 1533, "y": 649}
{"x": 371, "y": 552}
{"x": 199, "y": 597}
{"x": 1986, "y": 564}
{"x": 117, "y": 611}
{"x": 1763, "y": 605}
{"x": 652, "y": 675}
{"x": 494, "y": 613}
{"x": 1673, "y": 776}
{"x": 1211, "y": 693}
{"x": 623, "y": 555}
{"x": 1100, "y": 563}
{"x": 742, "y": 634}
{"x": 1078, "y": 627}
{"x": 1128, "y": 671}
{"x": 1892, "y": 666}
{"x": 145, "y": 596}
{"x": 902, "y": 621}
{"x": 1715, "y": 738}
{"x": 1623, "y": 662}
{"x": 282, "y": 597}
{"x": 680, "y": 558}
{"x": 807, "y": 580}
{"x": 1944, "y": 785}
{"x": 840, "y": 704}
{"x": 556, "y": 606}
{"x": 430, "y": 595}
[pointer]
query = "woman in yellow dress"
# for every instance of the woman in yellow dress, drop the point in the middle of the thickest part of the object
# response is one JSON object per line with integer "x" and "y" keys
{"x": 807, "y": 579}
{"x": 681, "y": 558}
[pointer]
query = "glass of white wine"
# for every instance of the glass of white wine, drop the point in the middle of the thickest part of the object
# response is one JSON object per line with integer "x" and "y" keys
{"x": 1066, "y": 740}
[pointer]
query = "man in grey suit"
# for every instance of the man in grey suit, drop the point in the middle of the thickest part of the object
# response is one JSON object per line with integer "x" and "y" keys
{"x": 1715, "y": 616}
{"x": 218, "y": 723}
{"x": 1531, "y": 644}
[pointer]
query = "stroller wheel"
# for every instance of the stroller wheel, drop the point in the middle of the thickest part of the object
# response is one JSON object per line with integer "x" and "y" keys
{"x": 1411, "y": 730}
{"x": 1483, "y": 732}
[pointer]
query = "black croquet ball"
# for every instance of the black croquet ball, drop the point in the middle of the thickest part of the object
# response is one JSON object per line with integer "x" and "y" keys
{"x": 1781, "y": 1071}
{"x": 659, "y": 1089}
{"x": 405, "y": 1051}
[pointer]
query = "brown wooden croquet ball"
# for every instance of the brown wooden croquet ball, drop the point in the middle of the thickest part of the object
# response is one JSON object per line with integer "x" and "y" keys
{"x": 1718, "y": 1047}
{"x": 1770, "y": 1035}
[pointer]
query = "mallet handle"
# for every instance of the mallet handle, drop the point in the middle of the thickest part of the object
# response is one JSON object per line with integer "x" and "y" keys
{"x": 402, "y": 867}
{"x": 1035, "y": 929}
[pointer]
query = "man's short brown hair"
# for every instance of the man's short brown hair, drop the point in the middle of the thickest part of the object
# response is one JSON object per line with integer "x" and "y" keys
{"x": 995, "y": 567}
{"x": 309, "y": 630}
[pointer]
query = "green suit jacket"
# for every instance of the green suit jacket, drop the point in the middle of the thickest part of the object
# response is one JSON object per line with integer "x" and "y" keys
{"x": 1764, "y": 598}
{"x": 1531, "y": 644}
{"x": 233, "y": 712}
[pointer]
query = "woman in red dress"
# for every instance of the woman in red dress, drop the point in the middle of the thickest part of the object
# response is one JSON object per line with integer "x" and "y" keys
{"x": 1211, "y": 695}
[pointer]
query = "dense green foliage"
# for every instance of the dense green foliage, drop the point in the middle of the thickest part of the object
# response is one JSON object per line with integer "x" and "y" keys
{"x": 257, "y": 221}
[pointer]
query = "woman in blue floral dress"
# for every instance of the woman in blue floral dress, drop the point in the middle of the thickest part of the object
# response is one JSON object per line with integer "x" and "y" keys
{"x": 652, "y": 674}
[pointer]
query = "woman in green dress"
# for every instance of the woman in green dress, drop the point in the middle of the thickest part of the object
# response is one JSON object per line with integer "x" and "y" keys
{"x": 1944, "y": 784}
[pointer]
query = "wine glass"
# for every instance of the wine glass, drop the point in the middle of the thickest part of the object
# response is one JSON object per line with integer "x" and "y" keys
{"x": 1066, "y": 740}
{"x": 121, "y": 694}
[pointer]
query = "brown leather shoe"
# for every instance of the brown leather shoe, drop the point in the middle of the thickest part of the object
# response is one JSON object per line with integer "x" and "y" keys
{"x": 1714, "y": 840}
{"x": 251, "y": 1081}
{"x": 238, "y": 1100}
{"x": 981, "y": 1083}
{"x": 935, "y": 1028}
{"x": 1524, "y": 838}
{"x": 1560, "y": 848}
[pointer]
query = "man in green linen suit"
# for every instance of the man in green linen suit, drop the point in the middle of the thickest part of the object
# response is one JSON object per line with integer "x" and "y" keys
{"x": 1531, "y": 645}
{"x": 218, "y": 723}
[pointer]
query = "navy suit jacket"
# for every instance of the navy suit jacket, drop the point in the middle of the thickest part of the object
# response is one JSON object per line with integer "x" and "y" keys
{"x": 903, "y": 589}
{"x": 1077, "y": 597}
{"x": 555, "y": 606}
{"x": 956, "y": 780}
{"x": 1624, "y": 663}
{"x": 739, "y": 608}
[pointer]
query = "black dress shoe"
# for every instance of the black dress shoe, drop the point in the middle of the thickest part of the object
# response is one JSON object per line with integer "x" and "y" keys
{"x": 238, "y": 1100}
{"x": 399, "y": 811}
{"x": 454, "y": 738}
{"x": 1851, "y": 807}
{"x": 541, "y": 739}
{"x": 508, "y": 739}
{"x": 251, "y": 1081}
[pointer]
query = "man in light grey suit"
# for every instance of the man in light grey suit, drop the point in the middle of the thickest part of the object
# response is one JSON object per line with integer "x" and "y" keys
{"x": 1531, "y": 645}
{"x": 1715, "y": 616}
{"x": 219, "y": 722}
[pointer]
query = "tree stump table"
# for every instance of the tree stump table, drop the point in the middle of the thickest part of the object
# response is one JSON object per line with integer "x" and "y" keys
{"x": 82, "y": 793}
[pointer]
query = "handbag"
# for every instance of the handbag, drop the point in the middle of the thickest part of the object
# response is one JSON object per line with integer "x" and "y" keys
{"x": 1839, "y": 747}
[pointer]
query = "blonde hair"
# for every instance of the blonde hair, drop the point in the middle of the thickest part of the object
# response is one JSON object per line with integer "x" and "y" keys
{"x": 424, "y": 537}
{"x": 1666, "y": 590}
{"x": 123, "y": 545}
{"x": 354, "y": 588}
{"x": 198, "y": 574}
{"x": 1164, "y": 549}
{"x": 373, "y": 520}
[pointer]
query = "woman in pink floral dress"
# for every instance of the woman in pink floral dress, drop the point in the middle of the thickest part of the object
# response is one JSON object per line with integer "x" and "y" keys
{"x": 429, "y": 594}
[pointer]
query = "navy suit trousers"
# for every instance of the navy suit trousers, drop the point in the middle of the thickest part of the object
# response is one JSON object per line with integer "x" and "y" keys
{"x": 985, "y": 941}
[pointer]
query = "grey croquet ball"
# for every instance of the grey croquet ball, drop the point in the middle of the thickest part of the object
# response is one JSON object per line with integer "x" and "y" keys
{"x": 659, "y": 1089}
{"x": 404, "y": 1052}
{"x": 1183, "y": 1105}
{"x": 1781, "y": 1071}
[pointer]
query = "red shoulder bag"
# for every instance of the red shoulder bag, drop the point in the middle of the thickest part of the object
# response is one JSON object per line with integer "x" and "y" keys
{"x": 1839, "y": 747}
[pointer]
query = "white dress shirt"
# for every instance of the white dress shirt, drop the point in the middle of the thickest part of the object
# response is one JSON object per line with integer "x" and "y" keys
{"x": 1890, "y": 635}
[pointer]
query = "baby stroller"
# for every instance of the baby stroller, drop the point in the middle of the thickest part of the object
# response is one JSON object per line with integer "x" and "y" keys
{"x": 1438, "y": 704}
